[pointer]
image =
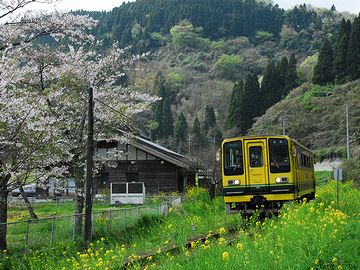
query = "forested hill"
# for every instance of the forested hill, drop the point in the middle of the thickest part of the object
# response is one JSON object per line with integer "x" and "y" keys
{"x": 220, "y": 65}
{"x": 141, "y": 22}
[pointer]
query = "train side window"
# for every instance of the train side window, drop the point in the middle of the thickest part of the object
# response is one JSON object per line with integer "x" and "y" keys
{"x": 303, "y": 162}
{"x": 233, "y": 158}
{"x": 256, "y": 157}
{"x": 279, "y": 156}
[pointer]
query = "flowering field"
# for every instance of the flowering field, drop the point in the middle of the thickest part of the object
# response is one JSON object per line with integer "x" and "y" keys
{"x": 312, "y": 235}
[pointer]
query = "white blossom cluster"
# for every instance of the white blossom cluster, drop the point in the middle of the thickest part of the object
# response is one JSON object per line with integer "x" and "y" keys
{"x": 44, "y": 93}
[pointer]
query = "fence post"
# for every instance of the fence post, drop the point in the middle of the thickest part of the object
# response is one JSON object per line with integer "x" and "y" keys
{"x": 109, "y": 217}
{"x": 27, "y": 233}
{"x": 93, "y": 225}
{"x": 52, "y": 230}
{"x": 74, "y": 222}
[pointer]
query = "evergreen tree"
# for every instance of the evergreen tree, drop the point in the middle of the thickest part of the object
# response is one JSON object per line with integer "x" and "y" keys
{"x": 157, "y": 132}
{"x": 196, "y": 136}
{"x": 354, "y": 50}
{"x": 167, "y": 120}
{"x": 210, "y": 120}
{"x": 341, "y": 51}
{"x": 281, "y": 70}
{"x": 162, "y": 110}
{"x": 159, "y": 85}
{"x": 291, "y": 78}
{"x": 250, "y": 103}
{"x": 234, "y": 109}
{"x": 269, "y": 87}
{"x": 323, "y": 71}
{"x": 181, "y": 129}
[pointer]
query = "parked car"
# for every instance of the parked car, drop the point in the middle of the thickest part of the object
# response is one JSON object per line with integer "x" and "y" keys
{"x": 30, "y": 191}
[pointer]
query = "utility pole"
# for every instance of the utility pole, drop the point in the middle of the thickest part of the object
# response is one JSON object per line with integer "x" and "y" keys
{"x": 189, "y": 144}
{"x": 283, "y": 125}
{"x": 347, "y": 131}
{"x": 89, "y": 169}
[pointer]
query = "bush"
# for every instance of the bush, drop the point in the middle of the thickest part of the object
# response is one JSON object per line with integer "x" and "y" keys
{"x": 228, "y": 67}
{"x": 185, "y": 35}
{"x": 315, "y": 92}
{"x": 351, "y": 169}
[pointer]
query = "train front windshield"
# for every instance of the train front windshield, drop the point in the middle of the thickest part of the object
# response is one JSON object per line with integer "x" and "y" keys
{"x": 279, "y": 156}
{"x": 233, "y": 158}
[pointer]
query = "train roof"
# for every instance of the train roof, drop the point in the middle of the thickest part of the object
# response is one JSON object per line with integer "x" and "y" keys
{"x": 267, "y": 137}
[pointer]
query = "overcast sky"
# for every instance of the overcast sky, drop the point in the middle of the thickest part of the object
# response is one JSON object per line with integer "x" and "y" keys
{"x": 341, "y": 5}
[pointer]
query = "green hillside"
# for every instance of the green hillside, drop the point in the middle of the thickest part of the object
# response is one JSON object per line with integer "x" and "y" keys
{"x": 315, "y": 116}
{"x": 199, "y": 52}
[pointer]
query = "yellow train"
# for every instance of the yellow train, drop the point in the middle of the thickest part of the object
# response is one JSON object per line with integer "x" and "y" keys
{"x": 265, "y": 171}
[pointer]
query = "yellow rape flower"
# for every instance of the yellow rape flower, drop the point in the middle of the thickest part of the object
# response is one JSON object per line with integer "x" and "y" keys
{"x": 221, "y": 240}
{"x": 225, "y": 255}
{"x": 222, "y": 230}
{"x": 204, "y": 246}
{"x": 334, "y": 260}
{"x": 240, "y": 246}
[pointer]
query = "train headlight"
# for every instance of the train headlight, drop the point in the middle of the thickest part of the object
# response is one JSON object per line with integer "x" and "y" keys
{"x": 281, "y": 179}
{"x": 233, "y": 182}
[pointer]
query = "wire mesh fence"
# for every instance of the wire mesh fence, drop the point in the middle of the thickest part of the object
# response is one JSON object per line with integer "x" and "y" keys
{"x": 34, "y": 234}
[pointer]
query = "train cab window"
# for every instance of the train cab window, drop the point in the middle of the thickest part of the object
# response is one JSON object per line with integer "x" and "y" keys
{"x": 279, "y": 156}
{"x": 233, "y": 158}
{"x": 256, "y": 157}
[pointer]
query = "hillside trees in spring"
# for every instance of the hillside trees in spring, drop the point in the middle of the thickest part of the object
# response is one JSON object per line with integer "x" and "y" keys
{"x": 341, "y": 64}
{"x": 249, "y": 100}
{"x": 341, "y": 51}
{"x": 158, "y": 17}
{"x": 353, "y": 63}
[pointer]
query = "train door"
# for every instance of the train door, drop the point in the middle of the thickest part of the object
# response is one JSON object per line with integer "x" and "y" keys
{"x": 256, "y": 173}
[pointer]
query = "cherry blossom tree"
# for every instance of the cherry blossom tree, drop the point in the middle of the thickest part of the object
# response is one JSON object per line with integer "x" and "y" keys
{"x": 43, "y": 97}
{"x": 115, "y": 105}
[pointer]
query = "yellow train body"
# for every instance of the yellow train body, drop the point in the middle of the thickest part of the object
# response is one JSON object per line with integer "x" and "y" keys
{"x": 265, "y": 171}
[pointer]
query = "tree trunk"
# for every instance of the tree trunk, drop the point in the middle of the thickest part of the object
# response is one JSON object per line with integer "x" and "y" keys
{"x": 89, "y": 170}
{"x": 27, "y": 202}
{"x": 79, "y": 207}
{"x": 3, "y": 210}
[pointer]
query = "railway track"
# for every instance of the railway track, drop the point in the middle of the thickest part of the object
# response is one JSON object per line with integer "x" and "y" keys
{"x": 144, "y": 258}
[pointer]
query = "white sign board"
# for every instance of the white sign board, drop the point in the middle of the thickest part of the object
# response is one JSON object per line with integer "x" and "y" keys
{"x": 338, "y": 174}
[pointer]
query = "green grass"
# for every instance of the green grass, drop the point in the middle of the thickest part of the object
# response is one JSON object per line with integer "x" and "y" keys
{"x": 312, "y": 235}
{"x": 322, "y": 177}
{"x": 18, "y": 211}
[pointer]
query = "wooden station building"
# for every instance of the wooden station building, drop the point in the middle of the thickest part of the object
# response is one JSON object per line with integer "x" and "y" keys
{"x": 140, "y": 160}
